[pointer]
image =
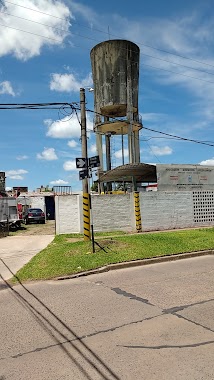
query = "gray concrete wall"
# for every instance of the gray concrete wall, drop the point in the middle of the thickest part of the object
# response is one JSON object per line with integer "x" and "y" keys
{"x": 161, "y": 210}
{"x": 166, "y": 210}
{"x": 67, "y": 214}
{"x": 112, "y": 212}
{"x": 37, "y": 202}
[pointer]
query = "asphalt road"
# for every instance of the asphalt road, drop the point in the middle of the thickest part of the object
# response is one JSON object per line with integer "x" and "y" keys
{"x": 18, "y": 250}
{"x": 154, "y": 322}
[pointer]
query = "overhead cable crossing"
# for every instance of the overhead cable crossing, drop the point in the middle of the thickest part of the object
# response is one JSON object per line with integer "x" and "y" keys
{"x": 75, "y": 107}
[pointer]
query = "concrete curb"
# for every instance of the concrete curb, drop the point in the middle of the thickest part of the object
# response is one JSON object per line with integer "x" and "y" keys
{"x": 135, "y": 263}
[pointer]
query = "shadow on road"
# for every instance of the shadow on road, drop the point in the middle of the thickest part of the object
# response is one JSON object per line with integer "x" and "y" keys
{"x": 92, "y": 360}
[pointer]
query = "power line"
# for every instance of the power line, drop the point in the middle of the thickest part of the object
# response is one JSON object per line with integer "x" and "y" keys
{"x": 35, "y": 22}
{"x": 153, "y": 130}
{"x": 174, "y": 72}
{"x": 75, "y": 107}
{"x": 114, "y": 35}
{"x": 93, "y": 39}
{"x": 153, "y": 152}
{"x": 179, "y": 137}
{"x": 144, "y": 64}
{"x": 35, "y": 34}
{"x": 33, "y": 106}
{"x": 34, "y": 10}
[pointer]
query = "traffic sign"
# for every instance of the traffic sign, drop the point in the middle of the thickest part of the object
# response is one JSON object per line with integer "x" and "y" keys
{"x": 83, "y": 174}
{"x": 81, "y": 163}
{"x": 94, "y": 162}
{"x": 86, "y": 173}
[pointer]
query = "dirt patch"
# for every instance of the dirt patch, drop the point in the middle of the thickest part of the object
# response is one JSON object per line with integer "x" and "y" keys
{"x": 74, "y": 239}
{"x": 37, "y": 229}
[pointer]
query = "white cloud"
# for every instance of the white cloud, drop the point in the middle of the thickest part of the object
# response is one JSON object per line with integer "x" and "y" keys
{"x": 26, "y": 45}
{"x": 66, "y": 128}
{"x": 20, "y": 158}
{"x": 6, "y": 88}
{"x": 16, "y": 174}
{"x": 48, "y": 154}
{"x": 93, "y": 148}
{"x": 72, "y": 143}
{"x": 152, "y": 117}
{"x": 207, "y": 162}
{"x": 161, "y": 151}
{"x": 119, "y": 153}
{"x": 59, "y": 182}
{"x": 188, "y": 36}
{"x": 68, "y": 82}
{"x": 69, "y": 165}
{"x": 85, "y": 12}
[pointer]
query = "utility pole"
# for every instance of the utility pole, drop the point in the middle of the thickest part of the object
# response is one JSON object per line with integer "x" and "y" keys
{"x": 86, "y": 195}
{"x": 84, "y": 136}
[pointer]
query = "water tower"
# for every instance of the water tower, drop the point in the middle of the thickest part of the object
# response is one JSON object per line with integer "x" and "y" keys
{"x": 115, "y": 69}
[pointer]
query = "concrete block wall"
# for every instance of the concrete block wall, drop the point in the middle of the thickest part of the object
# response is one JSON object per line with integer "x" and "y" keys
{"x": 113, "y": 212}
{"x": 37, "y": 202}
{"x": 67, "y": 214}
{"x": 162, "y": 210}
{"x": 166, "y": 210}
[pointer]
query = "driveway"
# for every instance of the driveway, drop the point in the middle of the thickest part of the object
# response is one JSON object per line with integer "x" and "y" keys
{"x": 18, "y": 250}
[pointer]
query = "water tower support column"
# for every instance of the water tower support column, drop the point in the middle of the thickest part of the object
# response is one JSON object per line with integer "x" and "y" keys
{"x": 137, "y": 147}
{"x": 130, "y": 116}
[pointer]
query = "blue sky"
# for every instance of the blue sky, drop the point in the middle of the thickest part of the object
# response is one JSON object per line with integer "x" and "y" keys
{"x": 45, "y": 57}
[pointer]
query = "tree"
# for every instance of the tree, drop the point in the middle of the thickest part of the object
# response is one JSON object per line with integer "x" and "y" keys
{"x": 94, "y": 187}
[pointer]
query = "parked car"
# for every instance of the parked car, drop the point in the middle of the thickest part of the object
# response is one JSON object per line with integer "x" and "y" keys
{"x": 34, "y": 215}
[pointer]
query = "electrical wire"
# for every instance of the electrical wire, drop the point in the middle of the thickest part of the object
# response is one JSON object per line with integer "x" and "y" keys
{"x": 82, "y": 36}
{"x": 153, "y": 152}
{"x": 174, "y": 72}
{"x": 34, "y": 10}
{"x": 34, "y": 34}
{"x": 179, "y": 137}
{"x": 41, "y": 106}
{"x": 154, "y": 67}
{"x": 156, "y": 131}
{"x": 114, "y": 35}
{"x": 93, "y": 39}
{"x": 75, "y": 107}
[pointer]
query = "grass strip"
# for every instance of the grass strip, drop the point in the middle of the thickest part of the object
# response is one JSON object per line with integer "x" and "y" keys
{"x": 66, "y": 256}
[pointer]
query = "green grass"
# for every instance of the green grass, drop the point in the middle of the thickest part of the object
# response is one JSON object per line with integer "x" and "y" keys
{"x": 63, "y": 257}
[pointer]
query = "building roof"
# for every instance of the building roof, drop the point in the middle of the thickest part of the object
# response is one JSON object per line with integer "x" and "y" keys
{"x": 141, "y": 172}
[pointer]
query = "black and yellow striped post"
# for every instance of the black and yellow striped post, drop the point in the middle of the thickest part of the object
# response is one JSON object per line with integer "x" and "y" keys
{"x": 137, "y": 211}
{"x": 86, "y": 217}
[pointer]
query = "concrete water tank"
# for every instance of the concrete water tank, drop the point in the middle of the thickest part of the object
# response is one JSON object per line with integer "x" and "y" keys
{"x": 115, "y": 69}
